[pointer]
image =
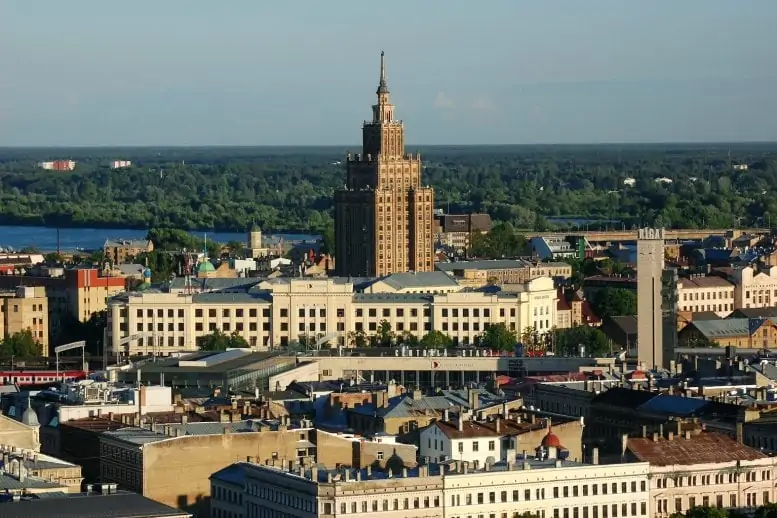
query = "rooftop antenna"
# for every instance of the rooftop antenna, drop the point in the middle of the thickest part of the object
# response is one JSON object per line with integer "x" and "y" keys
{"x": 59, "y": 251}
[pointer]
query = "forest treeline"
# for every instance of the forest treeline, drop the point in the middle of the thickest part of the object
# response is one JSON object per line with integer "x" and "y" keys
{"x": 291, "y": 189}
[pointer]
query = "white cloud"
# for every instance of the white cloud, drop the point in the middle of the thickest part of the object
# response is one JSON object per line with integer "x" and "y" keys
{"x": 443, "y": 101}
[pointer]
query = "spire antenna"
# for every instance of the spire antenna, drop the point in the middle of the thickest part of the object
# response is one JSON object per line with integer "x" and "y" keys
{"x": 382, "y": 87}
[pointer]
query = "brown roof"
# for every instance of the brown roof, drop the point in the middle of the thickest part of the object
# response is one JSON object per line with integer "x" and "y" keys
{"x": 702, "y": 448}
{"x": 562, "y": 304}
{"x": 473, "y": 429}
{"x": 706, "y": 282}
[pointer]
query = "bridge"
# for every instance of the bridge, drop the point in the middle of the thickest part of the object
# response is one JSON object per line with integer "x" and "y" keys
{"x": 631, "y": 235}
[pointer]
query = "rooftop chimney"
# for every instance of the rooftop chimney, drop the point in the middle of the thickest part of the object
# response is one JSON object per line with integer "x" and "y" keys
{"x": 446, "y": 415}
{"x": 595, "y": 456}
{"x": 498, "y": 425}
{"x": 670, "y": 436}
{"x": 740, "y": 433}
{"x": 461, "y": 421}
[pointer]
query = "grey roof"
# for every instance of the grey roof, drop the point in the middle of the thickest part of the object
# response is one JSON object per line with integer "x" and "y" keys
{"x": 495, "y": 264}
{"x": 130, "y": 268}
{"x": 116, "y": 505}
{"x": 377, "y": 298}
{"x": 406, "y": 406}
{"x": 224, "y": 297}
{"x": 141, "y": 436}
{"x": 234, "y": 474}
{"x": 723, "y": 328}
{"x": 131, "y": 243}
{"x": 402, "y": 281}
{"x": 12, "y": 483}
{"x": 172, "y": 364}
{"x": 216, "y": 283}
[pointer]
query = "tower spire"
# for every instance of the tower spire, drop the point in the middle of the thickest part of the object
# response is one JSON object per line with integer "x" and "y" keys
{"x": 382, "y": 87}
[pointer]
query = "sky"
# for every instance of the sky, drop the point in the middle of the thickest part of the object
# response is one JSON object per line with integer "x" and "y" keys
{"x": 304, "y": 72}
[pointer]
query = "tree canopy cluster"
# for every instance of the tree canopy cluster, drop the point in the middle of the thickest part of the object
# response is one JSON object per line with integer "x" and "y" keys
{"x": 292, "y": 189}
{"x": 219, "y": 341}
{"x": 764, "y": 511}
{"x": 20, "y": 346}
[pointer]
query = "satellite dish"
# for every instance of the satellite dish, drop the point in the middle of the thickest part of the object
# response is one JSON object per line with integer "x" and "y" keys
{"x": 490, "y": 460}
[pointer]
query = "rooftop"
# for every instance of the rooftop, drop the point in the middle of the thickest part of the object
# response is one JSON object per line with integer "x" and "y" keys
{"x": 141, "y": 436}
{"x": 115, "y": 505}
{"x": 729, "y": 327}
{"x": 699, "y": 448}
{"x": 704, "y": 282}
{"x": 476, "y": 429}
{"x": 492, "y": 264}
{"x": 402, "y": 281}
{"x": 345, "y": 475}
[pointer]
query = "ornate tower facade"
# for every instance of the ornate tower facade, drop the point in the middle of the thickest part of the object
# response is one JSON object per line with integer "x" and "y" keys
{"x": 383, "y": 216}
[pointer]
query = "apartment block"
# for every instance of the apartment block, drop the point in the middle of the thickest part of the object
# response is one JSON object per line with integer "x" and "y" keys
{"x": 544, "y": 486}
{"x": 119, "y": 251}
{"x": 706, "y": 293}
{"x": 25, "y": 309}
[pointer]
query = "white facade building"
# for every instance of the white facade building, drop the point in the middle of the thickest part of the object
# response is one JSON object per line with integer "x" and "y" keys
{"x": 548, "y": 488}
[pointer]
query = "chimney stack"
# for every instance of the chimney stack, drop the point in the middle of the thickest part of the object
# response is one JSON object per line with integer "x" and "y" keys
{"x": 446, "y": 415}
{"x": 498, "y": 425}
{"x": 595, "y": 456}
{"x": 688, "y": 435}
{"x": 461, "y": 421}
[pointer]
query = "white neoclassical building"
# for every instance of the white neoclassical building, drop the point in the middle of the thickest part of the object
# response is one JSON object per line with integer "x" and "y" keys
{"x": 275, "y": 312}
{"x": 549, "y": 488}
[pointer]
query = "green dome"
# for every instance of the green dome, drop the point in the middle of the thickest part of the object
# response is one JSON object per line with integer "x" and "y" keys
{"x": 206, "y": 266}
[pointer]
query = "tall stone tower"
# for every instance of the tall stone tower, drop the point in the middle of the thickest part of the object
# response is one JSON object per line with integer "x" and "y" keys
{"x": 652, "y": 350}
{"x": 255, "y": 237}
{"x": 383, "y": 215}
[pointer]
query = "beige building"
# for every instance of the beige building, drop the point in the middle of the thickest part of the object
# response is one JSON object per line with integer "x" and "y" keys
{"x": 545, "y": 487}
{"x": 25, "y": 309}
{"x": 503, "y": 272}
{"x": 120, "y": 251}
{"x": 754, "y": 288}
{"x": 280, "y": 311}
{"x": 700, "y": 293}
{"x": 455, "y": 231}
{"x": 698, "y": 468}
{"x": 384, "y": 215}
{"x": 43, "y": 467}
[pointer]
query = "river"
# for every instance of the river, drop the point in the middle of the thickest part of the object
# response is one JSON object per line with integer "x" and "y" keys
{"x": 45, "y": 238}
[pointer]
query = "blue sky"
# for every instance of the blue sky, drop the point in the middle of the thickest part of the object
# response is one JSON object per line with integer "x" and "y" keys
{"x": 304, "y": 72}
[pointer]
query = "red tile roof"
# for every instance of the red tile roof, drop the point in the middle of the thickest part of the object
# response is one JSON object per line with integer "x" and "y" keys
{"x": 702, "y": 448}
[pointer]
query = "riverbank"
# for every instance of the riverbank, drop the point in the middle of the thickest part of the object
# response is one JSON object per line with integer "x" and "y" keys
{"x": 47, "y": 239}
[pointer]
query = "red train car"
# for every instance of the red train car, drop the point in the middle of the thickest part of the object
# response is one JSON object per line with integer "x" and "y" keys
{"x": 39, "y": 377}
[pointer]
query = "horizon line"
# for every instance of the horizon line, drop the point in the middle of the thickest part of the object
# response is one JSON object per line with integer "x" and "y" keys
{"x": 321, "y": 146}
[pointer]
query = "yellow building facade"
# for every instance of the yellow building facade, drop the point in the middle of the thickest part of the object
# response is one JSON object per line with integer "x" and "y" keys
{"x": 281, "y": 311}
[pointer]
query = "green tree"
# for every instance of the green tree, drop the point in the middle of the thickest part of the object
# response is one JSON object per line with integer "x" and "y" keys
{"x": 358, "y": 338}
{"x": 531, "y": 339}
{"x": 568, "y": 341}
{"x": 384, "y": 335}
{"x": 498, "y": 337}
{"x": 409, "y": 339}
{"x": 20, "y": 345}
{"x": 766, "y": 511}
{"x": 613, "y": 302}
{"x": 501, "y": 241}
{"x": 53, "y": 258}
{"x": 219, "y": 341}
{"x": 702, "y": 512}
{"x": 328, "y": 240}
{"x": 436, "y": 340}
{"x": 235, "y": 247}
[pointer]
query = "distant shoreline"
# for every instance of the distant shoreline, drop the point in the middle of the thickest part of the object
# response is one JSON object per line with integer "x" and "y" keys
{"x": 112, "y": 226}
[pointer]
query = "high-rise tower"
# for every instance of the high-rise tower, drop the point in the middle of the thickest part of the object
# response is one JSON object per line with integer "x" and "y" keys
{"x": 383, "y": 216}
